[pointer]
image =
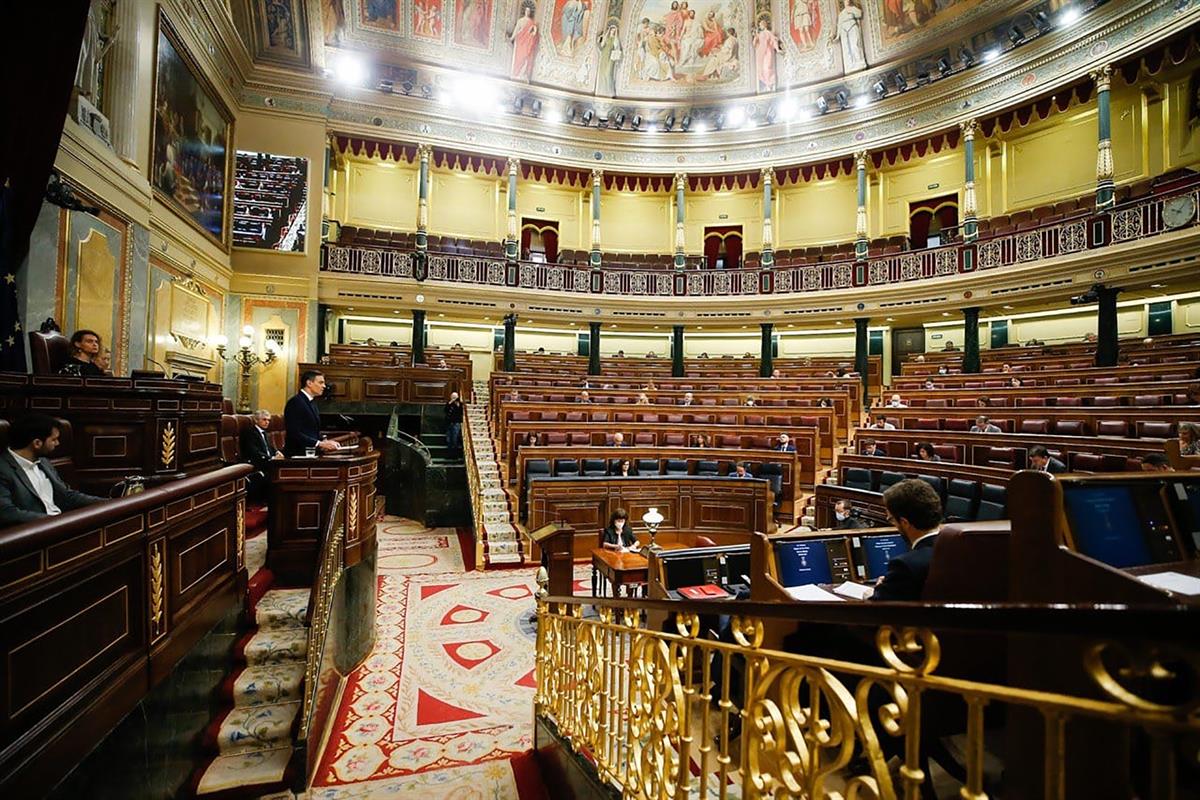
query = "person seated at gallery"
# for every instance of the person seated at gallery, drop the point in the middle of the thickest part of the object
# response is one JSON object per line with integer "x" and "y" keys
{"x": 983, "y": 425}
{"x": 777, "y": 373}
{"x": 625, "y": 470}
{"x": 847, "y": 518}
{"x": 1041, "y": 460}
{"x": 619, "y": 535}
{"x": 687, "y": 400}
{"x": 880, "y": 423}
{"x": 897, "y": 402}
{"x": 85, "y": 348}
{"x": 302, "y": 418}
{"x": 784, "y": 444}
{"x": 618, "y": 440}
{"x": 30, "y": 486}
{"x": 642, "y": 399}
{"x": 256, "y": 449}
{"x": 915, "y": 510}
{"x": 871, "y": 448}
{"x": 950, "y": 347}
{"x": 1155, "y": 462}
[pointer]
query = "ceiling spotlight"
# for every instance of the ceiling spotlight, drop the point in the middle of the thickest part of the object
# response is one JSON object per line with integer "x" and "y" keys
{"x": 518, "y": 103}
{"x": 386, "y": 86}
{"x": 737, "y": 115}
{"x": 1015, "y": 36}
{"x": 772, "y": 112}
{"x": 669, "y": 121}
{"x": 822, "y": 104}
{"x": 880, "y": 90}
{"x": 1068, "y": 16}
{"x": 843, "y": 99}
{"x": 901, "y": 83}
{"x": 787, "y": 108}
{"x": 554, "y": 115}
{"x": 637, "y": 122}
{"x": 535, "y": 108}
{"x": 406, "y": 87}
{"x": 943, "y": 65}
{"x": 719, "y": 122}
{"x": 991, "y": 55}
{"x": 701, "y": 126}
{"x": 685, "y": 123}
{"x": 861, "y": 101}
{"x": 350, "y": 70}
{"x": 570, "y": 115}
{"x": 923, "y": 78}
{"x": 588, "y": 116}
{"x": 966, "y": 57}
{"x": 618, "y": 120}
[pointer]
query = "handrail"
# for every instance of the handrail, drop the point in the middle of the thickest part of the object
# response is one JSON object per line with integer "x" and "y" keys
{"x": 474, "y": 488}
{"x": 406, "y": 438}
{"x": 320, "y": 602}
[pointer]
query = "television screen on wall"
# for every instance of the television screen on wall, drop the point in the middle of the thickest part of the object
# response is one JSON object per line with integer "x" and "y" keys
{"x": 270, "y": 202}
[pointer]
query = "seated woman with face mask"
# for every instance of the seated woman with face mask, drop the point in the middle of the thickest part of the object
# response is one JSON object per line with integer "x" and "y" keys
{"x": 618, "y": 535}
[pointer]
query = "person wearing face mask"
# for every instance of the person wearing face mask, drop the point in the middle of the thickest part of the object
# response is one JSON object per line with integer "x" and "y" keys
{"x": 619, "y": 535}
{"x": 845, "y": 519}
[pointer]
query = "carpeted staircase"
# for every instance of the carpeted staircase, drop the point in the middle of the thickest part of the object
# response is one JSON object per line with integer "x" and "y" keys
{"x": 494, "y": 522}
{"x": 249, "y": 741}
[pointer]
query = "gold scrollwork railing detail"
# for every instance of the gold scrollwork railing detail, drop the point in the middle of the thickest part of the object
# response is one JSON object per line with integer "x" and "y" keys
{"x": 329, "y": 568}
{"x": 668, "y": 715}
{"x": 240, "y": 533}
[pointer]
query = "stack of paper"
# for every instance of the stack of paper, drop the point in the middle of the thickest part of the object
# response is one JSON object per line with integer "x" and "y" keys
{"x": 1175, "y": 582}
{"x": 811, "y": 593}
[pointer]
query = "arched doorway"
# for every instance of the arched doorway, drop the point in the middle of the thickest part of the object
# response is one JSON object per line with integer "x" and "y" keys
{"x": 723, "y": 247}
{"x": 932, "y": 222}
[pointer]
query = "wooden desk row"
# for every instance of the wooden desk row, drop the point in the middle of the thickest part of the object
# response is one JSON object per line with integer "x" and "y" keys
{"x": 724, "y": 509}
{"x": 149, "y": 426}
{"x": 1144, "y": 422}
{"x": 387, "y": 384}
{"x": 799, "y": 471}
{"x": 993, "y": 377}
{"x": 1147, "y": 393}
{"x": 1081, "y": 453}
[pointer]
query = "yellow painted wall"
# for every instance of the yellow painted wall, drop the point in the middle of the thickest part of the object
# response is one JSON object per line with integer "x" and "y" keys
{"x": 739, "y": 208}
{"x": 1181, "y": 138}
{"x": 466, "y": 205}
{"x": 818, "y": 212}
{"x": 381, "y": 196}
{"x": 565, "y": 205}
{"x": 895, "y": 188}
{"x": 633, "y": 222}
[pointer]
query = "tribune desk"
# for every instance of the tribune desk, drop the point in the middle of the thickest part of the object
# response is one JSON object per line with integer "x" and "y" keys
{"x": 622, "y": 569}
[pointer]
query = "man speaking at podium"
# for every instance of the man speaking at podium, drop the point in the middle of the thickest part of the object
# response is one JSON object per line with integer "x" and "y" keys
{"x": 302, "y": 418}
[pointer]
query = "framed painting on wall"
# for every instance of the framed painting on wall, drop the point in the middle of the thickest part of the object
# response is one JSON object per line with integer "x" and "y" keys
{"x": 190, "y": 167}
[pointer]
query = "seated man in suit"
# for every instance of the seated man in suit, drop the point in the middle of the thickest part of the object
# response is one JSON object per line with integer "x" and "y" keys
{"x": 846, "y": 517}
{"x": 256, "y": 449}
{"x": 741, "y": 470}
{"x": 687, "y": 400}
{"x": 30, "y": 486}
{"x": 915, "y": 509}
{"x": 784, "y": 444}
{"x": 983, "y": 425}
{"x": 871, "y": 448}
{"x": 303, "y": 420}
{"x": 1041, "y": 460}
{"x": 618, "y": 440}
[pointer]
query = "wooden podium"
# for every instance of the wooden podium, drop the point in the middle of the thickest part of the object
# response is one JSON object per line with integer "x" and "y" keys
{"x": 302, "y": 494}
{"x": 557, "y": 541}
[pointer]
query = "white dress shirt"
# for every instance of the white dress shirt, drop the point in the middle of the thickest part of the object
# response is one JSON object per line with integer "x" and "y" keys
{"x": 39, "y": 480}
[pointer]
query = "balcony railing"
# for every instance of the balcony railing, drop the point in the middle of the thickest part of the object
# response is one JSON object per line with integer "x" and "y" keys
{"x": 1132, "y": 221}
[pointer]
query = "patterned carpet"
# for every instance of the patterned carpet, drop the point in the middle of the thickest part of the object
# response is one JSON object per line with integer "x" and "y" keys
{"x": 446, "y": 697}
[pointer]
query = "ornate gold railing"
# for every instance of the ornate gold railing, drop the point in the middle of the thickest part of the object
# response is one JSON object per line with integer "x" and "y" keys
{"x": 320, "y": 603}
{"x": 661, "y": 714}
{"x": 474, "y": 489}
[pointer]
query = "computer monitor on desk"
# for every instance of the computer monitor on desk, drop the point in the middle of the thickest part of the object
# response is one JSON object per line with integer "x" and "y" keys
{"x": 1128, "y": 524}
{"x": 808, "y": 561}
{"x": 877, "y": 551}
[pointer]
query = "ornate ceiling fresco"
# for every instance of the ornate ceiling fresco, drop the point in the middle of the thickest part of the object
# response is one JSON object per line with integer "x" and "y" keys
{"x": 666, "y": 49}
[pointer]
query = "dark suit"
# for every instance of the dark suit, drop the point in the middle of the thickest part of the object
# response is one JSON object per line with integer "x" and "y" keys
{"x": 19, "y": 502}
{"x": 905, "y": 578}
{"x": 303, "y": 423}
{"x": 1054, "y": 466}
{"x": 786, "y": 448}
{"x": 256, "y": 449}
{"x": 626, "y": 538}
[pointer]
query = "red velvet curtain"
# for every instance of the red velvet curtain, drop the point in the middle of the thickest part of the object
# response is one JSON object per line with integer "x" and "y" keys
{"x": 921, "y": 214}
{"x": 723, "y": 237}
{"x": 40, "y": 42}
{"x": 733, "y": 250}
{"x": 547, "y": 229}
{"x": 550, "y": 240}
{"x": 712, "y": 249}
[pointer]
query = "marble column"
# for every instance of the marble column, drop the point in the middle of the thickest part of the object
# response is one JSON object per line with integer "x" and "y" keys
{"x": 680, "y": 239}
{"x": 512, "y": 241}
{"x": 128, "y": 101}
{"x": 1107, "y": 346}
{"x": 418, "y": 336}
{"x": 768, "y": 234}
{"x": 677, "y": 370}
{"x": 861, "y": 364}
{"x": 597, "y": 182}
{"x": 1104, "y": 158}
{"x": 424, "y": 152}
{"x": 510, "y": 343}
{"x": 970, "y": 362}
{"x": 970, "y": 215}
{"x": 593, "y": 348}
{"x": 766, "y": 358}
{"x": 860, "y": 216}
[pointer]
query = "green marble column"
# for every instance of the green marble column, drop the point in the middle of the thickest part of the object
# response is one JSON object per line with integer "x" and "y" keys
{"x": 677, "y": 370}
{"x": 1105, "y": 198}
{"x": 860, "y": 216}
{"x": 424, "y": 151}
{"x": 418, "y": 336}
{"x": 970, "y": 215}
{"x": 593, "y": 348}
{"x": 680, "y": 240}
{"x": 594, "y": 258}
{"x": 510, "y": 343}
{"x": 970, "y": 362}
{"x": 768, "y": 234}
{"x": 766, "y": 358}
{"x": 861, "y": 364}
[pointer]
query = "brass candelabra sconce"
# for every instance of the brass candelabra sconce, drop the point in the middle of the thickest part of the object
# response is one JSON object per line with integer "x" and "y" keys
{"x": 246, "y": 359}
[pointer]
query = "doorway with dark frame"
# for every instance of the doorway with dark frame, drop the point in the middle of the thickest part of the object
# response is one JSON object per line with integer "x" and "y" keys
{"x": 723, "y": 246}
{"x": 906, "y": 342}
{"x": 539, "y": 240}
{"x": 932, "y": 222}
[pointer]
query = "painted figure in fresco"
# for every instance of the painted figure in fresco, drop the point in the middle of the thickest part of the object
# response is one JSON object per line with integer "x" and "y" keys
{"x": 380, "y": 11}
{"x": 281, "y": 31}
{"x": 428, "y": 20}
{"x": 806, "y": 21}
{"x": 714, "y": 34}
{"x": 609, "y": 45}
{"x": 524, "y": 38}
{"x": 333, "y": 20}
{"x": 724, "y": 62}
{"x": 473, "y": 23}
{"x": 849, "y": 35}
{"x": 571, "y": 26}
{"x": 766, "y": 46}
{"x": 673, "y": 28}
{"x": 691, "y": 42}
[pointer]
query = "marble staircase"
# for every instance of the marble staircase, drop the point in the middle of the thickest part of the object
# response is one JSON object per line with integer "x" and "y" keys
{"x": 494, "y": 524}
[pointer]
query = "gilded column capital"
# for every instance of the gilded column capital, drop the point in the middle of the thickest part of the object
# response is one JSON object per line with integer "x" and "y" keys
{"x": 1103, "y": 78}
{"x": 597, "y": 175}
{"x": 860, "y": 159}
{"x": 424, "y": 152}
{"x": 514, "y": 164}
{"x": 680, "y": 180}
{"x": 768, "y": 174}
{"x": 968, "y": 129}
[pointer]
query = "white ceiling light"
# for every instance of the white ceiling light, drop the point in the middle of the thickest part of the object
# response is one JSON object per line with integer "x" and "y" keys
{"x": 553, "y": 115}
{"x": 350, "y": 69}
{"x": 787, "y": 108}
{"x": 1068, "y": 16}
{"x": 700, "y": 127}
{"x": 861, "y": 101}
{"x": 991, "y": 55}
{"x": 736, "y": 116}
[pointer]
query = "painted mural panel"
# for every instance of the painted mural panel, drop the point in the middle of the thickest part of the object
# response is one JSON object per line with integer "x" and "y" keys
{"x": 576, "y": 44}
{"x": 893, "y": 27}
{"x": 426, "y": 20}
{"x": 524, "y": 37}
{"x": 383, "y": 14}
{"x": 678, "y": 45}
{"x": 473, "y": 22}
{"x": 192, "y": 130}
